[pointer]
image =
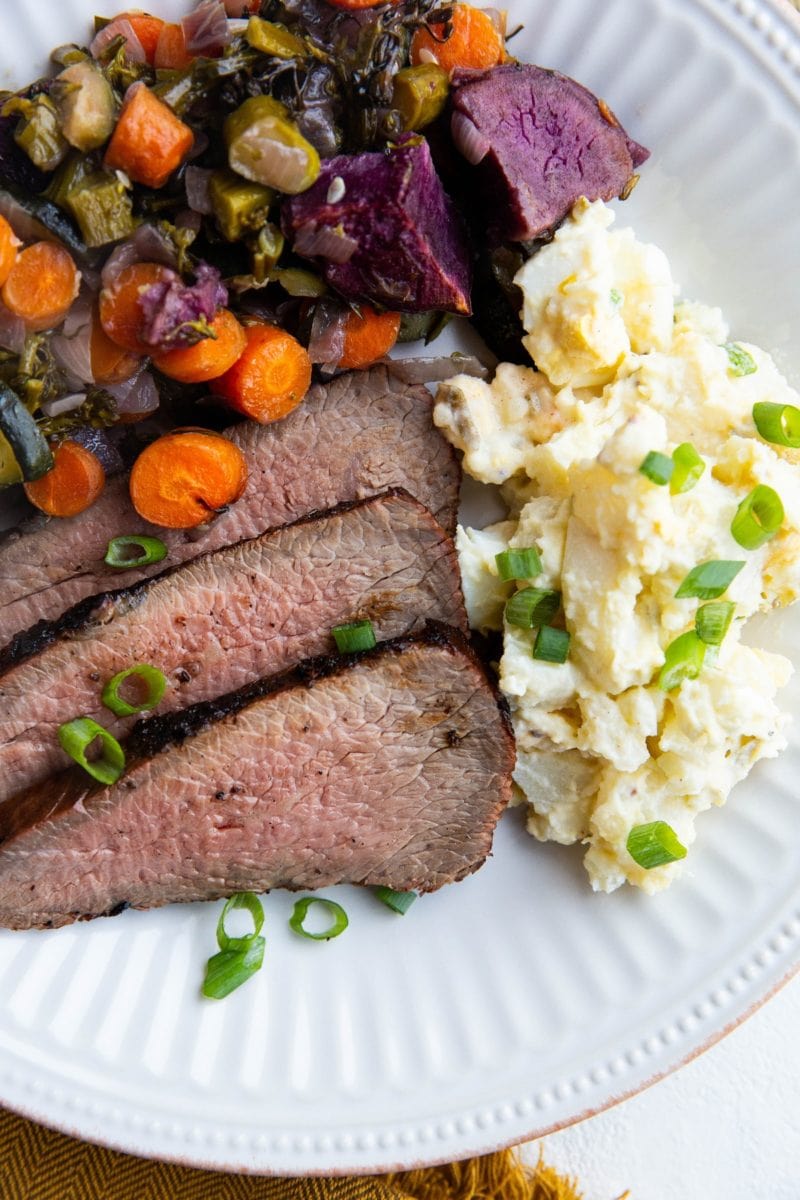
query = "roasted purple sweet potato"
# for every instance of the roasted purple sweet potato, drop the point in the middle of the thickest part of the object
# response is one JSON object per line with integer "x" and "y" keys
{"x": 539, "y": 141}
{"x": 384, "y": 230}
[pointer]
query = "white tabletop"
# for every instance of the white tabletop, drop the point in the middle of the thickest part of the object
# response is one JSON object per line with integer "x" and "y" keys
{"x": 724, "y": 1127}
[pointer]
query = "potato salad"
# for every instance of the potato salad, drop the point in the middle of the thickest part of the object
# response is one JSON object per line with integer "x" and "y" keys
{"x": 648, "y": 463}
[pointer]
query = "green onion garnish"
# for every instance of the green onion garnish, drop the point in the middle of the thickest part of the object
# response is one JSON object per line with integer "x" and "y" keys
{"x": 355, "y": 635}
{"x": 155, "y": 682}
{"x": 399, "y": 902}
{"x": 238, "y": 957}
{"x": 708, "y": 580}
{"x": 616, "y": 297}
{"x": 532, "y": 606}
{"x": 778, "y": 423}
{"x": 654, "y": 844}
{"x": 713, "y": 621}
{"x": 339, "y": 921}
{"x": 152, "y": 551}
{"x": 518, "y": 564}
{"x": 740, "y": 361}
{"x": 75, "y": 738}
{"x": 657, "y": 468}
{"x": 689, "y": 466}
{"x": 551, "y": 645}
{"x": 758, "y": 517}
{"x": 683, "y": 660}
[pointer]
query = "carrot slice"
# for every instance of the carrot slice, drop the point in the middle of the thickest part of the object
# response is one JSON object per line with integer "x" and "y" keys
{"x": 171, "y": 53}
{"x": 368, "y": 337}
{"x": 475, "y": 42}
{"x": 148, "y": 30}
{"x": 185, "y": 478}
{"x": 9, "y": 247}
{"x": 271, "y": 376}
{"x": 41, "y": 285}
{"x": 110, "y": 362}
{"x": 120, "y": 312}
{"x": 149, "y": 142}
{"x": 72, "y": 485}
{"x": 208, "y": 358}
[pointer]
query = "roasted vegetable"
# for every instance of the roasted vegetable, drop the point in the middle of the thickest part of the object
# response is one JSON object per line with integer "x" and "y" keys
{"x": 102, "y": 206}
{"x": 38, "y": 130}
{"x": 420, "y": 94}
{"x": 28, "y": 446}
{"x": 37, "y": 217}
{"x": 85, "y": 104}
{"x": 276, "y": 40}
{"x": 266, "y": 146}
{"x": 240, "y": 205}
{"x": 415, "y": 258}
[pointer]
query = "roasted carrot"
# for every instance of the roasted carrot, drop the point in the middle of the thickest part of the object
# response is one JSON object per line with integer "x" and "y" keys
{"x": 9, "y": 247}
{"x": 368, "y": 337}
{"x": 475, "y": 41}
{"x": 357, "y": 5}
{"x": 110, "y": 363}
{"x": 171, "y": 53}
{"x": 208, "y": 358}
{"x": 148, "y": 30}
{"x": 120, "y": 312}
{"x": 186, "y": 477}
{"x": 41, "y": 285}
{"x": 74, "y": 482}
{"x": 149, "y": 142}
{"x": 271, "y": 376}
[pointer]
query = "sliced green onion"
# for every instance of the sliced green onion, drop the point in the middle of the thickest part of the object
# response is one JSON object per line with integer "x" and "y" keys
{"x": 689, "y": 466}
{"x": 239, "y": 957}
{"x": 740, "y": 361}
{"x": 683, "y": 660}
{"x": 250, "y": 902}
{"x": 76, "y": 736}
{"x": 532, "y": 606}
{"x": 778, "y": 423}
{"x": 154, "y": 680}
{"x": 152, "y": 551}
{"x": 229, "y": 969}
{"x": 654, "y": 844}
{"x": 708, "y": 580}
{"x": 551, "y": 645}
{"x": 518, "y": 564}
{"x": 713, "y": 621}
{"x": 758, "y": 517}
{"x": 399, "y": 902}
{"x": 615, "y": 297}
{"x": 339, "y": 921}
{"x": 355, "y": 635}
{"x": 657, "y": 468}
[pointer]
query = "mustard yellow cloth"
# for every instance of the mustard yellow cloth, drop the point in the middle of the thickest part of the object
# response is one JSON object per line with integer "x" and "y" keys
{"x": 38, "y": 1164}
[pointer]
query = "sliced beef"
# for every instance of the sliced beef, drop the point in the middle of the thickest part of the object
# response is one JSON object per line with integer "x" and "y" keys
{"x": 390, "y": 767}
{"x": 542, "y": 141}
{"x": 364, "y": 432}
{"x": 226, "y": 619}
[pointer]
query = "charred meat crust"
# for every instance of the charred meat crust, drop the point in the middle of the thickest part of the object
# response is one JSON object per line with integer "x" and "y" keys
{"x": 96, "y": 610}
{"x": 156, "y": 734}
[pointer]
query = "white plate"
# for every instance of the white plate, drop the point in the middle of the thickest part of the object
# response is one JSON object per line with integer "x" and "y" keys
{"x": 518, "y": 1000}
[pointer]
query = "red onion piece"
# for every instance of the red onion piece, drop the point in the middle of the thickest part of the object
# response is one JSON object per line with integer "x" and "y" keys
{"x": 197, "y": 193}
{"x": 153, "y": 245}
{"x": 313, "y": 240}
{"x": 206, "y": 29}
{"x": 100, "y": 445}
{"x": 468, "y": 139}
{"x": 119, "y": 27}
{"x": 12, "y": 331}
{"x": 72, "y": 345}
{"x": 137, "y": 396}
{"x": 326, "y": 340}
{"x": 241, "y": 8}
{"x": 122, "y": 256}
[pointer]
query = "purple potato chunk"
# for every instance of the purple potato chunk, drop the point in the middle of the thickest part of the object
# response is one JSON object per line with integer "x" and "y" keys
{"x": 406, "y": 246}
{"x": 540, "y": 141}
